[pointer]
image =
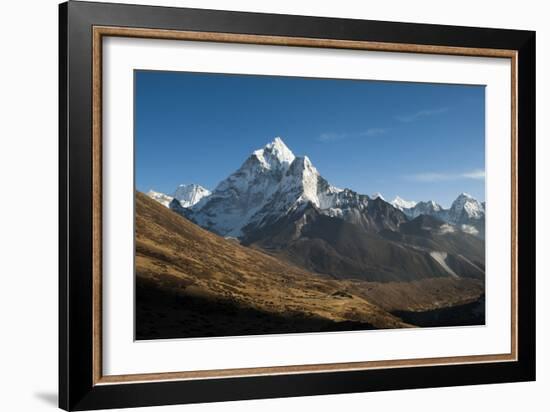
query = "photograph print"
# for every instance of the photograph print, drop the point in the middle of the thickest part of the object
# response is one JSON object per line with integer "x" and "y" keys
{"x": 271, "y": 204}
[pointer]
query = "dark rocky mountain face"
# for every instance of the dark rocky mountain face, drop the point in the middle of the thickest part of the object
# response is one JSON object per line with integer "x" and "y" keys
{"x": 465, "y": 253}
{"x": 335, "y": 247}
{"x": 384, "y": 215}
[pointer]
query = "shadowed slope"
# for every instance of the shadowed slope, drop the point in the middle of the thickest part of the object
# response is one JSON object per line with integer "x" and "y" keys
{"x": 190, "y": 281}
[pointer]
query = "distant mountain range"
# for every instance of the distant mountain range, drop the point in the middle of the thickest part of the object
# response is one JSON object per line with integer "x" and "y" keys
{"x": 186, "y": 195}
{"x": 273, "y": 183}
{"x": 280, "y": 203}
{"x": 467, "y": 213}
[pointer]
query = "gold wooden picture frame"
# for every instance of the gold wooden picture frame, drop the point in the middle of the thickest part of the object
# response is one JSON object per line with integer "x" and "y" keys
{"x": 92, "y": 388}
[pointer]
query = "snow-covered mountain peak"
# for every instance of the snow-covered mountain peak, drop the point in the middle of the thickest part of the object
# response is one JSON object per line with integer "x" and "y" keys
{"x": 275, "y": 155}
{"x": 401, "y": 203}
{"x": 378, "y": 195}
{"x": 190, "y": 194}
{"x": 281, "y": 149}
{"x": 270, "y": 183}
{"x": 465, "y": 206}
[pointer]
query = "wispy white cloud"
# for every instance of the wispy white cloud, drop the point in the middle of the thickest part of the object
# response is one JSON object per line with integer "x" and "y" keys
{"x": 334, "y": 137}
{"x": 476, "y": 174}
{"x": 411, "y": 117}
{"x": 373, "y": 132}
{"x": 331, "y": 136}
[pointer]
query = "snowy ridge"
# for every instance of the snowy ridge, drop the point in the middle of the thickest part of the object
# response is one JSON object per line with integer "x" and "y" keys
{"x": 401, "y": 204}
{"x": 273, "y": 183}
{"x": 462, "y": 210}
{"x": 162, "y": 198}
{"x": 429, "y": 207}
{"x": 186, "y": 195}
{"x": 466, "y": 213}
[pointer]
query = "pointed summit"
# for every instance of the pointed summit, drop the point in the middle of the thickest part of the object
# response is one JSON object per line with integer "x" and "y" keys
{"x": 275, "y": 154}
{"x": 279, "y": 144}
{"x": 270, "y": 183}
{"x": 466, "y": 207}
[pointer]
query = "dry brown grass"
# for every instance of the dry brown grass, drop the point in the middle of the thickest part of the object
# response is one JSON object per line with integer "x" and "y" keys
{"x": 181, "y": 257}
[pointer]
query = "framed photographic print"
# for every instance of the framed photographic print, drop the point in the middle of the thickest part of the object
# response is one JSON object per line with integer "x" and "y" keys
{"x": 257, "y": 205}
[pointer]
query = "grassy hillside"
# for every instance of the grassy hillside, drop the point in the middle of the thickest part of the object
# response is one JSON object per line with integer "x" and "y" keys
{"x": 191, "y": 282}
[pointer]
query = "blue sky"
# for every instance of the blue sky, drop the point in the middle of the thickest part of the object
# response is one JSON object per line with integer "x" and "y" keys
{"x": 418, "y": 141}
